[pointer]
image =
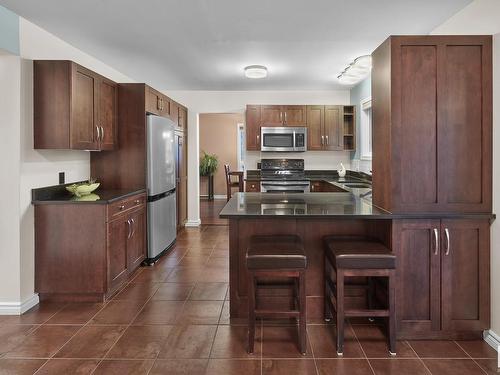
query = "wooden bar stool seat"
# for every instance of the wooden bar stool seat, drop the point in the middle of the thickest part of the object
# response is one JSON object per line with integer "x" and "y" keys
{"x": 358, "y": 256}
{"x": 277, "y": 256}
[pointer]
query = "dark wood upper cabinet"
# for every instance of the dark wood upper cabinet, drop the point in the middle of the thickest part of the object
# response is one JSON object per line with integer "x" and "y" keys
{"x": 108, "y": 109}
{"x": 182, "y": 118}
{"x": 294, "y": 115}
{"x": 271, "y": 115}
{"x": 74, "y": 107}
{"x": 252, "y": 126}
{"x": 432, "y": 124}
{"x": 334, "y": 135}
{"x": 315, "y": 127}
{"x": 325, "y": 128}
{"x": 157, "y": 103}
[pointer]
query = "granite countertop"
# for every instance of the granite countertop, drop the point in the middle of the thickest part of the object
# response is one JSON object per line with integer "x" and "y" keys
{"x": 59, "y": 195}
{"x": 301, "y": 204}
{"x": 320, "y": 205}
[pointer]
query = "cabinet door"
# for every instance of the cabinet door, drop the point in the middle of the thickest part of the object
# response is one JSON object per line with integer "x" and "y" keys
{"x": 272, "y": 115}
{"x": 174, "y": 112}
{"x": 416, "y": 127}
{"x": 315, "y": 127}
{"x": 164, "y": 106}
{"x": 182, "y": 118}
{"x": 252, "y": 127}
{"x": 118, "y": 233}
{"x": 416, "y": 244}
{"x": 465, "y": 125}
{"x": 316, "y": 187}
{"x": 294, "y": 115}
{"x": 83, "y": 109}
{"x": 334, "y": 134}
{"x": 465, "y": 275}
{"x": 136, "y": 244}
{"x": 153, "y": 102}
{"x": 107, "y": 113}
{"x": 181, "y": 180}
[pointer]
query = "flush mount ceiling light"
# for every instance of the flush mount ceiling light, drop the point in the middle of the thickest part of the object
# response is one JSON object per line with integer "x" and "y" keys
{"x": 356, "y": 71}
{"x": 256, "y": 71}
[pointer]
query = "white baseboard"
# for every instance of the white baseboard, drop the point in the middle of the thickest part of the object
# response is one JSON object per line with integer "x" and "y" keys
{"x": 18, "y": 308}
{"x": 217, "y": 196}
{"x": 492, "y": 339}
{"x": 193, "y": 223}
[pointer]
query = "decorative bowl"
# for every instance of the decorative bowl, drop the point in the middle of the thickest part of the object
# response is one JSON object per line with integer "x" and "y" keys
{"x": 82, "y": 189}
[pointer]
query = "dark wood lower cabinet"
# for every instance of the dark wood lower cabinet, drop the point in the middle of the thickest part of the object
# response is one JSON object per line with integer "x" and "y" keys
{"x": 443, "y": 277}
{"x": 84, "y": 251}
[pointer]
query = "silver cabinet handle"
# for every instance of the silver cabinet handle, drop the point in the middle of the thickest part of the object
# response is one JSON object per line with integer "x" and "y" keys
{"x": 285, "y": 117}
{"x": 133, "y": 227}
{"x": 129, "y": 225}
{"x": 98, "y": 132}
{"x": 327, "y": 140}
{"x": 102, "y": 133}
{"x": 258, "y": 139}
{"x": 436, "y": 241}
{"x": 322, "y": 140}
{"x": 447, "y": 235}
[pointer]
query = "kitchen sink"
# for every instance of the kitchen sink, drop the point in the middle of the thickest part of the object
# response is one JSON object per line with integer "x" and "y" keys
{"x": 358, "y": 185}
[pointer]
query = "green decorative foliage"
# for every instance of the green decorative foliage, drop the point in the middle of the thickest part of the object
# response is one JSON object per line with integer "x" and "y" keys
{"x": 208, "y": 164}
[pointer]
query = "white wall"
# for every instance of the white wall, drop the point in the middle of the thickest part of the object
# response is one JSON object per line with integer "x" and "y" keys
{"x": 9, "y": 188}
{"x": 33, "y": 168}
{"x": 483, "y": 17}
{"x": 235, "y": 102}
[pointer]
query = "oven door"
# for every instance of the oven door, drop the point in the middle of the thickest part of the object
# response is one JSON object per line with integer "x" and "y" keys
{"x": 284, "y": 186}
{"x": 287, "y": 139}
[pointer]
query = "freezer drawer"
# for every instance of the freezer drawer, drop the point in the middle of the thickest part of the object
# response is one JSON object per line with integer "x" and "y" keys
{"x": 162, "y": 224}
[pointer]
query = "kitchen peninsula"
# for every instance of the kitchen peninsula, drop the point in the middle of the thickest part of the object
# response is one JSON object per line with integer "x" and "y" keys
{"x": 426, "y": 264}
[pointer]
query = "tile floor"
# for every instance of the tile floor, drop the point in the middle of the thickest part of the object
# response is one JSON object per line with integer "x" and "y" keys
{"x": 173, "y": 318}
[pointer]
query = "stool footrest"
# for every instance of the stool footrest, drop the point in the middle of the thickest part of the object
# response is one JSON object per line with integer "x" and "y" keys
{"x": 275, "y": 313}
{"x": 366, "y": 313}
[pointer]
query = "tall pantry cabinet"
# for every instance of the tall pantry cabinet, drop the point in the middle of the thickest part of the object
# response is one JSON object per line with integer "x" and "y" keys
{"x": 432, "y": 155}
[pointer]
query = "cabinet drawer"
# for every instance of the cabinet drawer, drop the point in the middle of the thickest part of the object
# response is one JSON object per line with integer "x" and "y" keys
{"x": 115, "y": 209}
{"x": 252, "y": 186}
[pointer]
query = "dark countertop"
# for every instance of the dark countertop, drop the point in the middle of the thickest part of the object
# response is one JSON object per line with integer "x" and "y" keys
{"x": 318, "y": 205}
{"x": 59, "y": 195}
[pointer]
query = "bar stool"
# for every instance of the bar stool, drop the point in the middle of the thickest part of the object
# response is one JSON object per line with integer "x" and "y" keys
{"x": 277, "y": 256}
{"x": 358, "y": 256}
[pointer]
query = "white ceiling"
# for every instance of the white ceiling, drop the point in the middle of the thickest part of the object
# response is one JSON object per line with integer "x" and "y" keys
{"x": 204, "y": 44}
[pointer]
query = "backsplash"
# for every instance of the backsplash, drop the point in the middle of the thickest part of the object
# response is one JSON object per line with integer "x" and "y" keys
{"x": 313, "y": 160}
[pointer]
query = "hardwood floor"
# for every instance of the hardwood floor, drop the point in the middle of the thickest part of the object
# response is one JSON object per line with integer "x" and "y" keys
{"x": 209, "y": 212}
{"x": 173, "y": 318}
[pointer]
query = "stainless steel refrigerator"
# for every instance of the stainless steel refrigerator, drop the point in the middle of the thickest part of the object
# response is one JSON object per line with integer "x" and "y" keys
{"x": 162, "y": 214}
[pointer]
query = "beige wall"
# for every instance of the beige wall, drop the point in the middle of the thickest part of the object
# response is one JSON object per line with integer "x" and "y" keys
{"x": 218, "y": 135}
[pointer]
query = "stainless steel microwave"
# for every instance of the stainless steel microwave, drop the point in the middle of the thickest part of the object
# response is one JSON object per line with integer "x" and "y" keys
{"x": 283, "y": 138}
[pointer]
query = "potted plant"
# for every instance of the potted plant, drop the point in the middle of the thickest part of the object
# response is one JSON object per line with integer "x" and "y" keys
{"x": 208, "y": 164}
{"x": 208, "y": 167}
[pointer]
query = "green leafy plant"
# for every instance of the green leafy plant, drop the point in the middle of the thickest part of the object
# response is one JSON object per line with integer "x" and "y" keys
{"x": 208, "y": 164}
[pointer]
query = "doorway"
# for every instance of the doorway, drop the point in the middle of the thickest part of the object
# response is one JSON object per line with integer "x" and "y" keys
{"x": 220, "y": 135}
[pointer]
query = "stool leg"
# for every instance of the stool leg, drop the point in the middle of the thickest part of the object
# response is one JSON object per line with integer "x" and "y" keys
{"x": 251, "y": 311}
{"x": 303, "y": 313}
{"x": 327, "y": 310}
{"x": 340, "y": 311}
{"x": 371, "y": 291}
{"x": 392, "y": 315}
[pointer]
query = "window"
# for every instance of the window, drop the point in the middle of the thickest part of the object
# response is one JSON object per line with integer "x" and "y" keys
{"x": 241, "y": 147}
{"x": 366, "y": 129}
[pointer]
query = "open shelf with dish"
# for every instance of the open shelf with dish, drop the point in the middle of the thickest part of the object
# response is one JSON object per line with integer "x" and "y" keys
{"x": 349, "y": 128}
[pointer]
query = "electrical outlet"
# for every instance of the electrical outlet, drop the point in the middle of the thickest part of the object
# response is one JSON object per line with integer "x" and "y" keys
{"x": 62, "y": 178}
